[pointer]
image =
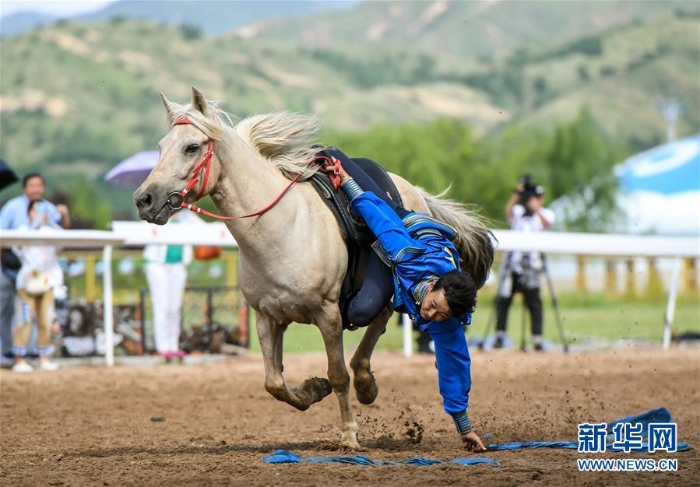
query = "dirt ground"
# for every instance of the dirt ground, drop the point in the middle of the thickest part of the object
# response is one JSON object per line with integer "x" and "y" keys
{"x": 93, "y": 425}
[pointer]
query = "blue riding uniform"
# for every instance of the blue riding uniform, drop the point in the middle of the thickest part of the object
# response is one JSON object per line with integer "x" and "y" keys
{"x": 419, "y": 250}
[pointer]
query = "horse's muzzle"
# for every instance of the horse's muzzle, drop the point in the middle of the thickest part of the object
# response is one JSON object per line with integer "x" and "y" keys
{"x": 150, "y": 208}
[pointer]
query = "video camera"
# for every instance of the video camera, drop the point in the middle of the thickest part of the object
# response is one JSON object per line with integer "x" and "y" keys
{"x": 529, "y": 189}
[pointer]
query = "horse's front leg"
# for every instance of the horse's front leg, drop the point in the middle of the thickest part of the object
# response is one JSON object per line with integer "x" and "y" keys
{"x": 271, "y": 336}
{"x": 331, "y": 328}
{"x": 364, "y": 382}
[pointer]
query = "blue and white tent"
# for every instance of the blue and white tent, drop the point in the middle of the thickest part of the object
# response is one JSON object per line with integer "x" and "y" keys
{"x": 660, "y": 189}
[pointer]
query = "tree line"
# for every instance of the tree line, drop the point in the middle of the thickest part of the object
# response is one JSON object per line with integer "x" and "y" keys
{"x": 573, "y": 159}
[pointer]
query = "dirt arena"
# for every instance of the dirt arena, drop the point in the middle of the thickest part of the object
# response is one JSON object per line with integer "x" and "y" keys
{"x": 93, "y": 426}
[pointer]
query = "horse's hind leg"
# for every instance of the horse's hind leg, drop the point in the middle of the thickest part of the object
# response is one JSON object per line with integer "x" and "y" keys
{"x": 332, "y": 332}
{"x": 271, "y": 336}
{"x": 365, "y": 386}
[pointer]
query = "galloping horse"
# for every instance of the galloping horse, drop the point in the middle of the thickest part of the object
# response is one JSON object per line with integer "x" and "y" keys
{"x": 293, "y": 257}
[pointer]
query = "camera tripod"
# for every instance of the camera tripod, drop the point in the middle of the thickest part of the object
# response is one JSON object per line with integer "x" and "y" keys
{"x": 555, "y": 304}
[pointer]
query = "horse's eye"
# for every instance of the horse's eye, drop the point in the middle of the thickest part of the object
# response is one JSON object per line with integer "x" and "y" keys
{"x": 191, "y": 149}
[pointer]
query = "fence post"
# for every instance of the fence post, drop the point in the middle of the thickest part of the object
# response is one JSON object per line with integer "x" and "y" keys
{"x": 90, "y": 285}
{"x": 581, "y": 274}
{"x": 407, "y": 335}
{"x": 611, "y": 277}
{"x": 671, "y": 305}
{"x": 690, "y": 276}
{"x": 654, "y": 279}
{"x": 631, "y": 279}
{"x": 107, "y": 307}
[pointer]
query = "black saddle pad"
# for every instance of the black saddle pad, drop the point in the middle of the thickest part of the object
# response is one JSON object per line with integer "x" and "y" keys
{"x": 357, "y": 236}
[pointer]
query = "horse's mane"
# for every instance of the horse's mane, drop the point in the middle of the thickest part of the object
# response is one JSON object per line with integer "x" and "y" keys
{"x": 284, "y": 139}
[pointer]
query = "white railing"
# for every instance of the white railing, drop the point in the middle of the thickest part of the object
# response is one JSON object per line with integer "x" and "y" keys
{"x": 216, "y": 234}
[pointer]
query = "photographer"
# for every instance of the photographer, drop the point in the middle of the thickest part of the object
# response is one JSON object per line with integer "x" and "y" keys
{"x": 521, "y": 271}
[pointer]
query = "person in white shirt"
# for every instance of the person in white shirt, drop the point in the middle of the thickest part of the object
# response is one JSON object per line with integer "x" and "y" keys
{"x": 37, "y": 278}
{"x": 166, "y": 272}
{"x": 13, "y": 215}
{"x": 522, "y": 271}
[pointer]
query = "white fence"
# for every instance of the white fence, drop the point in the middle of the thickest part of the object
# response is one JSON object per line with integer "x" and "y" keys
{"x": 216, "y": 234}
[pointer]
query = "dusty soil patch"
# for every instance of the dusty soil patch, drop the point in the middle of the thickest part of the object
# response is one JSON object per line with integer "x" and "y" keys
{"x": 93, "y": 426}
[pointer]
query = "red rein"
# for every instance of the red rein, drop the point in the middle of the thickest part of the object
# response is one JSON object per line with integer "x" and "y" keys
{"x": 205, "y": 165}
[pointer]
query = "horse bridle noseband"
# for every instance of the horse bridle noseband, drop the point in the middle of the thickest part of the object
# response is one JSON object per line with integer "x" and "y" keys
{"x": 205, "y": 165}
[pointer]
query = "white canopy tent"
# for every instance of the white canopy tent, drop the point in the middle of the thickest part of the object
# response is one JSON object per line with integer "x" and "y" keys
{"x": 660, "y": 189}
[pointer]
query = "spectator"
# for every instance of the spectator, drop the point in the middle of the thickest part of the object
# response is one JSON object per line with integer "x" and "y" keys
{"x": 522, "y": 270}
{"x": 166, "y": 272}
{"x": 14, "y": 215}
{"x": 38, "y": 276}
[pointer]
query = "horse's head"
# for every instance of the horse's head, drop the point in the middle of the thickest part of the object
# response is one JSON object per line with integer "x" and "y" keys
{"x": 188, "y": 167}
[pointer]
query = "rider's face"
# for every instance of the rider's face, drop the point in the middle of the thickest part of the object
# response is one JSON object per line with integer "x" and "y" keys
{"x": 434, "y": 306}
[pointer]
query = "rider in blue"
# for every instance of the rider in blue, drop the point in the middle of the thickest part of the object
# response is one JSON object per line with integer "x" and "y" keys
{"x": 428, "y": 285}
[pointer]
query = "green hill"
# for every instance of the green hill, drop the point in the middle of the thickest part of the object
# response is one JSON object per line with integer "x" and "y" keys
{"x": 619, "y": 74}
{"x": 76, "y": 97}
{"x": 81, "y": 92}
{"x": 484, "y": 28}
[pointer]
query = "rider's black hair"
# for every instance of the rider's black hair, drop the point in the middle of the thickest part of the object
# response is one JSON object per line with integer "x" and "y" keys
{"x": 460, "y": 292}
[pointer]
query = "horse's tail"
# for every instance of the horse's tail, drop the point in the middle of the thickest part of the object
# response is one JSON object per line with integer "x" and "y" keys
{"x": 473, "y": 242}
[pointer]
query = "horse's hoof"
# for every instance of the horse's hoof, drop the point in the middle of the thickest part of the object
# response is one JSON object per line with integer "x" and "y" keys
{"x": 351, "y": 446}
{"x": 317, "y": 388}
{"x": 349, "y": 441}
{"x": 367, "y": 395}
{"x": 367, "y": 389}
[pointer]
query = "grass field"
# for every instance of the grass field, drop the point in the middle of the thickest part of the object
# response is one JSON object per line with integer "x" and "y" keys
{"x": 596, "y": 318}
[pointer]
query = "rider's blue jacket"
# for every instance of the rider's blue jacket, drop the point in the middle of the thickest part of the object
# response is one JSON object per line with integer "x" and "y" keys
{"x": 419, "y": 250}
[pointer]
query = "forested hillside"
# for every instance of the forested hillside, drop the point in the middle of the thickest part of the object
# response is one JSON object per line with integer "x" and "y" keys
{"x": 464, "y": 29}
{"x": 78, "y": 97}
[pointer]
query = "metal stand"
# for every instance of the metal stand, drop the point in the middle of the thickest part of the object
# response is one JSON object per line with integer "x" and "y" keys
{"x": 523, "y": 331}
{"x": 555, "y": 303}
{"x": 491, "y": 321}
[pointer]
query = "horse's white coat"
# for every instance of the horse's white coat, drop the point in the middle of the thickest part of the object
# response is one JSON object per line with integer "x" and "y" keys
{"x": 293, "y": 258}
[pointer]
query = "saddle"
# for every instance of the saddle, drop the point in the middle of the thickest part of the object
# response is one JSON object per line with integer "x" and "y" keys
{"x": 358, "y": 238}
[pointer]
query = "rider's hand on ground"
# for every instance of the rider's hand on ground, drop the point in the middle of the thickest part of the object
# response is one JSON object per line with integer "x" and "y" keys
{"x": 472, "y": 442}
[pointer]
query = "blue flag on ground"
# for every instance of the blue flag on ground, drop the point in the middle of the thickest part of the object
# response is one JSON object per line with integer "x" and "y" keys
{"x": 660, "y": 415}
{"x": 284, "y": 456}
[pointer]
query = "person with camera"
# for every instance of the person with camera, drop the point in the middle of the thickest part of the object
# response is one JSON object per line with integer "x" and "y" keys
{"x": 14, "y": 215}
{"x": 521, "y": 271}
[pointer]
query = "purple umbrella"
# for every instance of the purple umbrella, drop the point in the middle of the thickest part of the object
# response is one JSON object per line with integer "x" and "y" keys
{"x": 131, "y": 172}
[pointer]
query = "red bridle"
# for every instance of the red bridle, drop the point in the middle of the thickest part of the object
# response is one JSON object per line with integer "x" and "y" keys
{"x": 205, "y": 166}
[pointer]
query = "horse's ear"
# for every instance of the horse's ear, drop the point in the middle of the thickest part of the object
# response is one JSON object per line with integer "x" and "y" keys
{"x": 199, "y": 103}
{"x": 168, "y": 107}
